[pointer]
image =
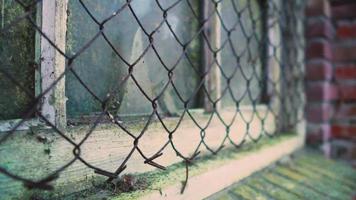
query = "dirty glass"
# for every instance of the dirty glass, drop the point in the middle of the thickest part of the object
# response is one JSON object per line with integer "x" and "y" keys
{"x": 244, "y": 18}
{"x": 101, "y": 69}
{"x": 17, "y": 56}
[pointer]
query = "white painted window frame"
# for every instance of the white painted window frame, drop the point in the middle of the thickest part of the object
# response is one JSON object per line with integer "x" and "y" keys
{"x": 51, "y": 16}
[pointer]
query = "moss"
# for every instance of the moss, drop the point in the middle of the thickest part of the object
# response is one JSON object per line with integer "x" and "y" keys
{"x": 293, "y": 179}
{"x": 224, "y": 196}
{"x": 248, "y": 193}
{"x": 340, "y": 168}
{"x": 14, "y": 157}
{"x": 334, "y": 188}
{"x": 275, "y": 192}
{"x": 332, "y": 175}
{"x": 291, "y": 186}
{"x": 17, "y": 47}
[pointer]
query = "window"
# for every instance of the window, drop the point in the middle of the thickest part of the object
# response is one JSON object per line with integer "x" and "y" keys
{"x": 125, "y": 39}
{"x": 209, "y": 76}
{"x": 245, "y": 20}
{"x": 105, "y": 63}
{"x": 238, "y": 47}
{"x": 236, "y": 73}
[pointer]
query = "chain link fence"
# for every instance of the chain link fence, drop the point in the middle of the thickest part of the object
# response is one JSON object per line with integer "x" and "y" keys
{"x": 135, "y": 61}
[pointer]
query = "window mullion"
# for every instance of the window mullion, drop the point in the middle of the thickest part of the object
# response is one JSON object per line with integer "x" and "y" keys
{"x": 54, "y": 17}
{"x": 211, "y": 59}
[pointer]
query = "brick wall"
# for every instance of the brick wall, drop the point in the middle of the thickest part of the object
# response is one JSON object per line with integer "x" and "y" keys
{"x": 331, "y": 76}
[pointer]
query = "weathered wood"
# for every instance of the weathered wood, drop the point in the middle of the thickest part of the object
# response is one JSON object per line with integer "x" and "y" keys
{"x": 226, "y": 175}
{"x": 54, "y": 19}
{"x": 274, "y": 62}
{"x": 296, "y": 178}
{"x": 36, "y": 155}
{"x": 211, "y": 60}
{"x": 7, "y": 125}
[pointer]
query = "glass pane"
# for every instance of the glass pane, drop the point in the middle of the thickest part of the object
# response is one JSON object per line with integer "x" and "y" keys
{"x": 241, "y": 57}
{"x": 101, "y": 69}
{"x": 17, "y": 56}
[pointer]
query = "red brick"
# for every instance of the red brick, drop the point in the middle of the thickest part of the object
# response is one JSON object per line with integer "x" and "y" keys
{"x": 343, "y": 131}
{"x": 318, "y": 70}
{"x": 345, "y": 52}
{"x": 318, "y": 8}
{"x": 345, "y": 112}
{"x": 345, "y": 72}
{"x": 346, "y": 30}
{"x": 346, "y": 91}
{"x": 318, "y": 92}
{"x": 319, "y": 49}
{"x": 320, "y": 28}
{"x": 344, "y": 11}
{"x": 319, "y": 113}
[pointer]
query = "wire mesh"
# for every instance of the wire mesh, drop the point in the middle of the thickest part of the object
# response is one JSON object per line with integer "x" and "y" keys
{"x": 223, "y": 55}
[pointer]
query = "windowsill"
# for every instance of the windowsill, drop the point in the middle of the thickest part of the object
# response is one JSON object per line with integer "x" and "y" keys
{"x": 215, "y": 173}
{"x": 108, "y": 146}
{"x": 7, "y": 125}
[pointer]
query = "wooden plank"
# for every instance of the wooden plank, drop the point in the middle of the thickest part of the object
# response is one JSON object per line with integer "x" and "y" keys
{"x": 7, "y": 125}
{"x": 108, "y": 146}
{"x": 292, "y": 179}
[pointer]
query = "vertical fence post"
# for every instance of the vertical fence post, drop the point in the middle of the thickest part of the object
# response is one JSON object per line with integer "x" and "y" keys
{"x": 54, "y": 17}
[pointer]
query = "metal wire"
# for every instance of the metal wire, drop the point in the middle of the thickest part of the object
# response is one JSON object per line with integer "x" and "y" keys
{"x": 283, "y": 19}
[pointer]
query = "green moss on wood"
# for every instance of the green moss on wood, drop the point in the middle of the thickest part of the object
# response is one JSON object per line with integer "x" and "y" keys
{"x": 334, "y": 188}
{"x": 157, "y": 180}
{"x": 272, "y": 190}
{"x": 17, "y": 55}
{"x": 293, "y": 179}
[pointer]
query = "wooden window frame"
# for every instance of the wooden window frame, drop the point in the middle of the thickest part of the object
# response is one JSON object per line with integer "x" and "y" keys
{"x": 8, "y": 124}
{"x": 53, "y": 64}
{"x": 52, "y": 15}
